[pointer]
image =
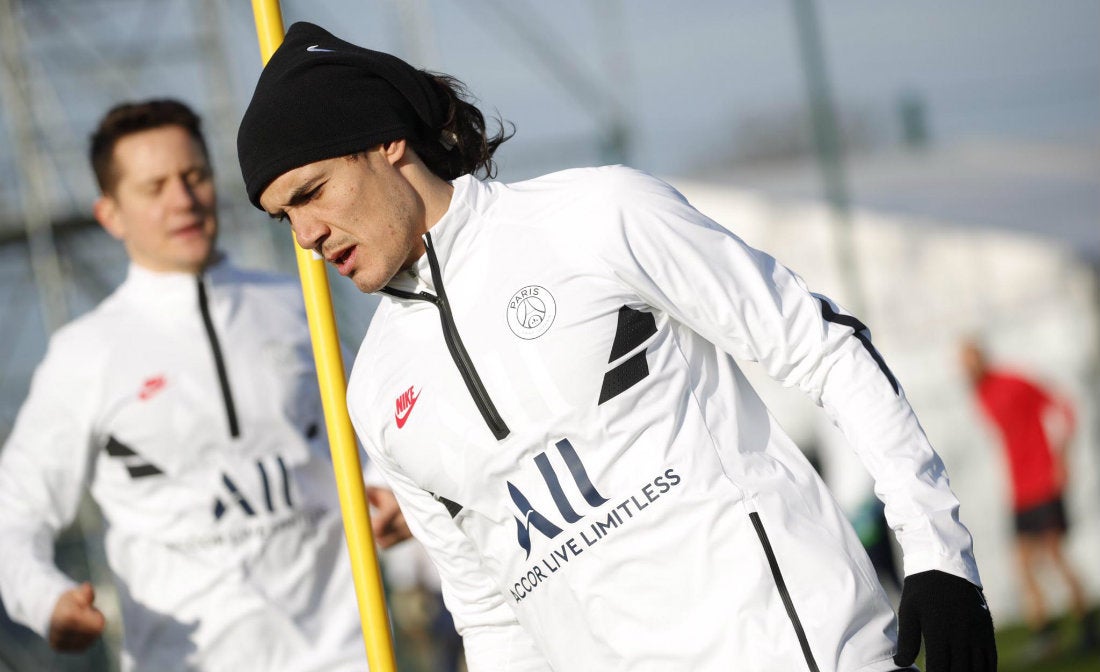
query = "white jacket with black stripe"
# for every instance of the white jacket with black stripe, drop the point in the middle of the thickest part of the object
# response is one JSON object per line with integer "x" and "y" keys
{"x": 194, "y": 419}
{"x": 552, "y": 393}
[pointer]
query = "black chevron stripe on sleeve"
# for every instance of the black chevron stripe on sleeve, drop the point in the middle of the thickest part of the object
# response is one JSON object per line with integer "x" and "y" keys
{"x": 135, "y": 464}
{"x": 633, "y": 329}
{"x": 116, "y": 448}
{"x": 142, "y": 470}
{"x": 453, "y": 508}
{"x": 624, "y": 376}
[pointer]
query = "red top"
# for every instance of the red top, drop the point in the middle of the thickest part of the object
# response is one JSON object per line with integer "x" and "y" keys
{"x": 1017, "y": 407}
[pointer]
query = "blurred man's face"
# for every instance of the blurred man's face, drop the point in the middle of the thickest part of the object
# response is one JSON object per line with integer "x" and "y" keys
{"x": 360, "y": 213}
{"x": 163, "y": 205}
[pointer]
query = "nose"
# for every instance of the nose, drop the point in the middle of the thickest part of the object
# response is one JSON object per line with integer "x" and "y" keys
{"x": 308, "y": 231}
{"x": 181, "y": 195}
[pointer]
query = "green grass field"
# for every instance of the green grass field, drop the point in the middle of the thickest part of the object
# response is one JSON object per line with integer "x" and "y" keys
{"x": 1012, "y": 651}
{"x": 1012, "y": 645}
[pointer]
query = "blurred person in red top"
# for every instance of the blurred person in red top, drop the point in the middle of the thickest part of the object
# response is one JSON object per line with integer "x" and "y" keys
{"x": 1036, "y": 428}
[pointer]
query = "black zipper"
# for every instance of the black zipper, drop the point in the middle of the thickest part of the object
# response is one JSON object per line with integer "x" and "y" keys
{"x": 219, "y": 361}
{"x": 783, "y": 593}
{"x": 458, "y": 352}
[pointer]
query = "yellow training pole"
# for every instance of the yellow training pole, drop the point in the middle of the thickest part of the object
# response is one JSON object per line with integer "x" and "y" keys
{"x": 330, "y": 375}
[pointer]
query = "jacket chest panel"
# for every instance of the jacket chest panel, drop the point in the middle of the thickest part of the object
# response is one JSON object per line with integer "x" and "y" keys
{"x": 164, "y": 402}
{"x": 545, "y": 352}
{"x": 543, "y": 341}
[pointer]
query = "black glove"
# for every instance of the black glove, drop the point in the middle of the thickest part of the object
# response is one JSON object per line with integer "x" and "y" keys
{"x": 952, "y": 614}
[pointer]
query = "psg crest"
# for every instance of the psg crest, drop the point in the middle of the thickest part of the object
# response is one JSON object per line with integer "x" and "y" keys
{"x": 531, "y": 311}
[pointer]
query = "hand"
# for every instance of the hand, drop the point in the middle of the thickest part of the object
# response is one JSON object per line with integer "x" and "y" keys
{"x": 954, "y": 618}
{"x": 75, "y": 623}
{"x": 386, "y": 520}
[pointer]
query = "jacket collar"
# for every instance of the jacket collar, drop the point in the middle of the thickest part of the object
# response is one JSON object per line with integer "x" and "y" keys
{"x": 471, "y": 196}
{"x": 171, "y": 287}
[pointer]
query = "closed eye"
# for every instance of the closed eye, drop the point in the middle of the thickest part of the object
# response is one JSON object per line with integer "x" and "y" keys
{"x": 304, "y": 194}
{"x": 299, "y": 197}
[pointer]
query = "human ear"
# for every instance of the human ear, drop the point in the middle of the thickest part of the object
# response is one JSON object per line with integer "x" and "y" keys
{"x": 106, "y": 213}
{"x": 394, "y": 150}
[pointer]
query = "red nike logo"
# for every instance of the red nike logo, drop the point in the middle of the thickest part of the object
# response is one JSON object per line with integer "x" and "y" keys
{"x": 151, "y": 387}
{"x": 405, "y": 404}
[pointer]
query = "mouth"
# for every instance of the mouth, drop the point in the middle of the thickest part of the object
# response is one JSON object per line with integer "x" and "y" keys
{"x": 188, "y": 230}
{"x": 343, "y": 260}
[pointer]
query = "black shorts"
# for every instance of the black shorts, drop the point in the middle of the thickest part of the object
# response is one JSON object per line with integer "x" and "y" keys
{"x": 1046, "y": 517}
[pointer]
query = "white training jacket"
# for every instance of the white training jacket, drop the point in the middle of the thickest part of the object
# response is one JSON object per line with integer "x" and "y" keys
{"x": 194, "y": 417}
{"x": 551, "y": 392}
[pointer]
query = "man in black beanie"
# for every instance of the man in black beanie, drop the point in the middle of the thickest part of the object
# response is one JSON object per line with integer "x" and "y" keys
{"x": 550, "y": 389}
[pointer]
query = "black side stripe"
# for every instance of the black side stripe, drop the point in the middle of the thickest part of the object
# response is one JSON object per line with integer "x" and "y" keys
{"x": 783, "y": 592}
{"x": 142, "y": 470}
{"x": 116, "y": 448}
{"x": 453, "y": 507}
{"x": 861, "y": 330}
{"x": 219, "y": 361}
{"x": 135, "y": 464}
{"x": 633, "y": 329}
{"x": 624, "y": 376}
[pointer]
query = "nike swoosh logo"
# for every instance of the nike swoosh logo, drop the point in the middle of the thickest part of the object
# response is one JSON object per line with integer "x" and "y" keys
{"x": 318, "y": 48}
{"x": 981, "y": 596}
{"x": 402, "y": 418}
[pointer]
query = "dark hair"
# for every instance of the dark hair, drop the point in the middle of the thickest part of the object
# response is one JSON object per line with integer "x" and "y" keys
{"x": 472, "y": 149}
{"x": 128, "y": 118}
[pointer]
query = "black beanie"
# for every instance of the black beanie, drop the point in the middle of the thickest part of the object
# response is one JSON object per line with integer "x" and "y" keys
{"x": 320, "y": 97}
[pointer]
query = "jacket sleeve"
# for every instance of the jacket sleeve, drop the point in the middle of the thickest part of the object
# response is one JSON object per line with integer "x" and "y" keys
{"x": 750, "y": 306}
{"x": 44, "y": 466}
{"x": 492, "y": 637}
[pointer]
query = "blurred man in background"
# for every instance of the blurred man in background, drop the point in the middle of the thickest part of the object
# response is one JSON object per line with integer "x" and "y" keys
{"x": 1036, "y": 428}
{"x": 187, "y": 404}
{"x": 549, "y": 386}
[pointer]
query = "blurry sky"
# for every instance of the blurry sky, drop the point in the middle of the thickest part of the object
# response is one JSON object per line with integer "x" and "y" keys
{"x": 698, "y": 83}
{"x": 689, "y": 74}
